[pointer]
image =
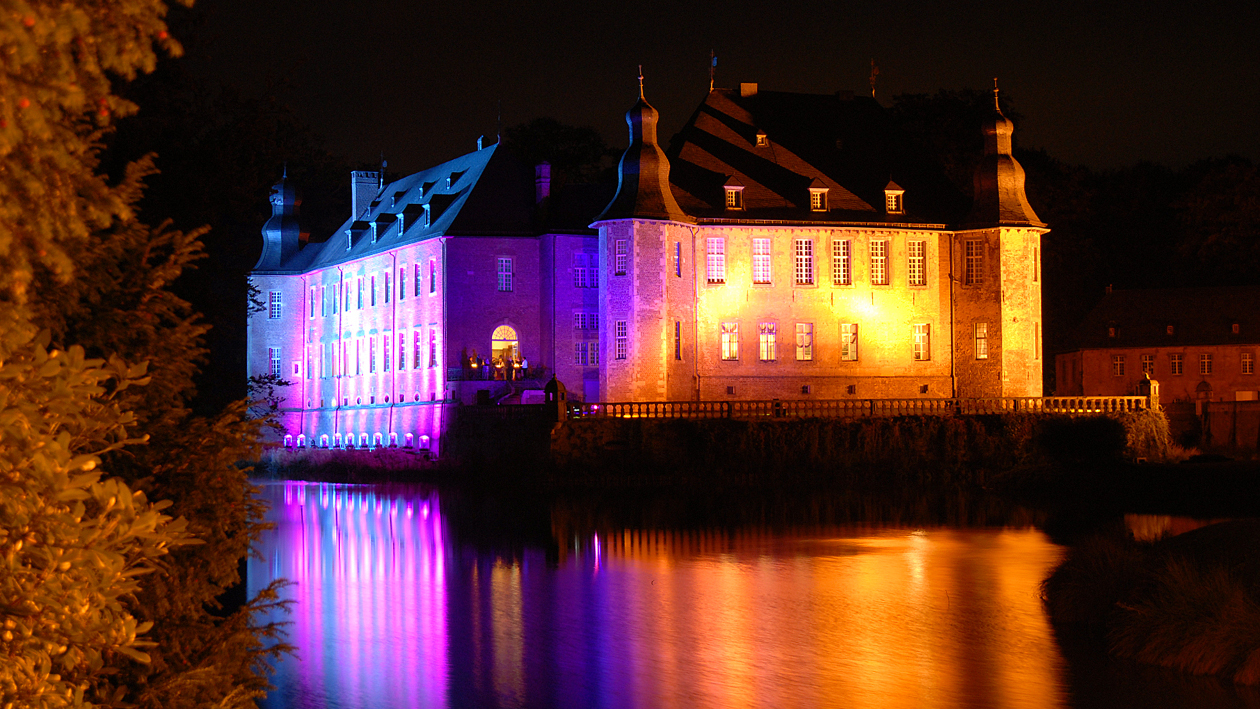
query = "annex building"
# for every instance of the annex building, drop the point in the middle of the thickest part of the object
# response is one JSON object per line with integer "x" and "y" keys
{"x": 785, "y": 246}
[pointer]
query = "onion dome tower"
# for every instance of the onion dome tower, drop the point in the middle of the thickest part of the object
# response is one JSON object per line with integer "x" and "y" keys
{"x": 643, "y": 174}
{"x": 281, "y": 233}
{"x": 999, "y": 181}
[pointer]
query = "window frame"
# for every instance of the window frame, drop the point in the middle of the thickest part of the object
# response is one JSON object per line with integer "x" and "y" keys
{"x": 804, "y": 342}
{"x": 980, "y": 339}
{"x": 1176, "y": 364}
{"x": 275, "y": 305}
{"x": 767, "y": 341}
{"x": 715, "y": 260}
{"x": 762, "y": 262}
{"x": 842, "y": 262}
{"x": 973, "y": 262}
{"x": 621, "y": 332}
{"x": 1205, "y": 363}
{"x": 916, "y": 263}
{"x": 730, "y": 341}
{"x": 921, "y": 333}
{"x": 803, "y": 254}
{"x": 1117, "y": 365}
{"x": 504, "y": 275}
{"x": 849, "y": 342}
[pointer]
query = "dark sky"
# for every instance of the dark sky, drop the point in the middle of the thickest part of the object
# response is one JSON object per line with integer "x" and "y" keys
{"x": 1103, "y": 84}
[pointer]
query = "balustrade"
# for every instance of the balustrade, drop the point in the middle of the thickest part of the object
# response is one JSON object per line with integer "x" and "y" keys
{"x": 859, "y": 408}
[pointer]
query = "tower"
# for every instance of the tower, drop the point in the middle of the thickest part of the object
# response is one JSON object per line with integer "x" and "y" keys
{"x": 281, "y": 234}
{"x": 996, "y": 277}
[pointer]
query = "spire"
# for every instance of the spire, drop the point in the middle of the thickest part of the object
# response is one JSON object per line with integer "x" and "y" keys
{"x": 643, "y": 190}
{"x": 282, "y": 236}
{"x": 999, "y": 182}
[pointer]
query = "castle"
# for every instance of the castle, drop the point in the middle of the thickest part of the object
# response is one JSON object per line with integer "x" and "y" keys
{"x": 787, "y": 246}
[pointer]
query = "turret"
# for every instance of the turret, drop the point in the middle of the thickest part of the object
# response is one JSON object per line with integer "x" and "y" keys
{"x": 999, "y": 180}
{"x": 281, "y": 234}
{"x": 643, "y": 174}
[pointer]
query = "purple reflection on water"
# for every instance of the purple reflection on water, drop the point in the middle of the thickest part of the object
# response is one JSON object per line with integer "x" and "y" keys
{"x": 368, "y": 600}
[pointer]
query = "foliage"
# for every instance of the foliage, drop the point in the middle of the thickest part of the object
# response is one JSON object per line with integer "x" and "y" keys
{"x": 264, "y": 399}
{"x": 576, "y": 154}
{"x": 75, "y": 546}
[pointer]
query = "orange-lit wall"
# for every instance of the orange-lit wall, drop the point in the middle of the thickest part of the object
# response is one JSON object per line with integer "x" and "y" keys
{"x": 1089, "y": 372}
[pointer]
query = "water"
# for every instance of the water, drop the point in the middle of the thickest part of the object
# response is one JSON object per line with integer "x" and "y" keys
{"x": 391, "y": 608}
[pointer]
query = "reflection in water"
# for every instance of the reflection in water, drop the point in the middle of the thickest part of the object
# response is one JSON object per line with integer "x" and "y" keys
{"x": 389, "y": 612}
{"x": 1149, "y": 528}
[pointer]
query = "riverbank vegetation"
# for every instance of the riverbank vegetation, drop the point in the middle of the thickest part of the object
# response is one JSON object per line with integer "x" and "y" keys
{"x": 1190, "y": 602}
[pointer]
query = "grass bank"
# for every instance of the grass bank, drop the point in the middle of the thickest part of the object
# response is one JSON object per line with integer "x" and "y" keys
{"x": 1190, "y": 602}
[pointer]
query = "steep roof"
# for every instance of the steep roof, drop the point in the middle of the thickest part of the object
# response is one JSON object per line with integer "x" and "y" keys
{"x": 848, "y": 145}
{"x": 1199, "y": 316}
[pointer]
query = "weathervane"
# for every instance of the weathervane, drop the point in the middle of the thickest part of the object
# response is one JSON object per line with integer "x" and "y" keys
{"x": 874, "y": 73}
{"x": 640, "y": 81}
{"x": 995, "y": 94}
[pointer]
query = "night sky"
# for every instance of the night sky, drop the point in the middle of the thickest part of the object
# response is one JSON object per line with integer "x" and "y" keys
{"x": 1105, "y": 85}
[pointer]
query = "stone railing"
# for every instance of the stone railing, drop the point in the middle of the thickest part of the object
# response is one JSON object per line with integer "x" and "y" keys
{"x": 858, "y": 408}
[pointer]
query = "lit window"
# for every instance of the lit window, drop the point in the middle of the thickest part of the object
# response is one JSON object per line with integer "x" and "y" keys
{"x": 879, "y": 262}
{"x": 973, "y": 265}
{"x": 1248, "y": 363}
{"x": 1036, "y": 264}
{"x": 417, "y": 355}
{"x": 621, "y": 254}
{"x": 387, "y": 291}
{"x": 715, "y": 259}
{"x": 273, "y": 354}
{"x": 359, "y": 287}
{"x": 848, "y": 342}
{"x": 841, "y": 263}
{"x": 818, "y": 200}
{"x": 678, "y": 339}
{"x": 1036, "y": 340}
{"x": 1117, "y": 365}
{"x": 916, "y": 263}
{"x": 384, "y": 353}
{"x": 579, "y": 353}
{"x": 433, "y": 275}
{"x": 418, "y": 281}
{"x": 579, "y": 271}
{"x": 804, "y": 262}
{"x": 505, "y": 274}
{"x": 622, "y": 333}
{"x": 1148, "y": 364}
{"x": 762, "y": 139}
{"x": 433, "y": 346}
{"x": 922, "y": 342}
{"x": 804, "y": 341}
{"x": 372, "y": 294}
{"x": 735, "y": 198}
{"x": 402, "y": 282}
{"x": 730, "y": 341}
{"x": 981, "y": 330}
{"x": 313, "y": 300}
{"x": 579, "y": 321}
{"x": 761, "y": 261}
{"x": 273, "y": 305}
{"x": 1175, "y": 364}
{"x": 678, "y": 259}
{"x": 402, "y": 351}
{"x": 323, "y": 301}
{"x": 1205, "y": 363}
{"x": 894, "y": 202}
{"x": 767, "y": 345}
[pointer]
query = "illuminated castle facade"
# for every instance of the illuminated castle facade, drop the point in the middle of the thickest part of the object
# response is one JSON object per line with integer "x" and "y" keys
{"x": 787, "y": 246}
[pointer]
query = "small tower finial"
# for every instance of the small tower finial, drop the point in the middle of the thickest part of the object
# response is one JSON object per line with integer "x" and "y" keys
{"x": 712, "y": 68}
{"x": 641, "y": 81}
{"x": 874, "y": 73}
{"x": 995, "y": 94}
{"x": 285, "y": 176}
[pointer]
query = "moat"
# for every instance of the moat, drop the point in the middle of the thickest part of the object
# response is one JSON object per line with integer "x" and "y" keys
{"x": 406, "y": 596}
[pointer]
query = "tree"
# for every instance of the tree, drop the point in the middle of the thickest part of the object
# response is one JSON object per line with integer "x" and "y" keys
{"x": 1219, "y": 216}
{"x": 575, "y": 154}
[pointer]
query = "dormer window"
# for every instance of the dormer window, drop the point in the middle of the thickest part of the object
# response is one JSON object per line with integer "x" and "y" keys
{"x": 453, "y": 178}
{"x": 375, "y": 230}
{"x": 817, "y": 196}
{"x": 1111, "y": 331}
{"x": 734, "y": 194}
{"x": 1171, "y": 329}
{"x": 894, "y": 199}
{"x": 763, "y": 141}
{"x": 1235, "y": 329}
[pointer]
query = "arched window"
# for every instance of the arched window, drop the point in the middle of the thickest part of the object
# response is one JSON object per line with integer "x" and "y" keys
{"x": 288, "y": 441}
{"x": 363, "y": 440}
{"x": 503, "y": 344}
{"x": 424, "y": 443}
{"x": 376, "y": 441}
{"x": 338, "y": 441}
{"x": 323, "y": 441}
{"x": 302, "y": 441}
{"x": 393, "y": 439}
{"x": 407, "y": 441}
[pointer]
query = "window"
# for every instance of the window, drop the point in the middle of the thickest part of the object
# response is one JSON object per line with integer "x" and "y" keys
{"x": 359, "y": 286}
{"x": 893, "y": 202}
{"x": 323, "y": 301}
{"x": 505, "y": 274}
{"x": 388, "y": 291}
{"x": 841, "y": 263}
{"x": 730, "y": 340}
{"x": 418, "y": 281}
{"x": 1174, "y": 364}
{"x": 922, "y": 342}
{"x": 916, "y": 263}
{"x": 273, "y": 305}
{"x": 402, "y": 351}
{"x": 973, "y": 263}
{"x": 273, "y": 354}
{"x": 585, "y": 321}
{"x": 621, "y": 257}
{"x": 734, "y": 198}
{"x": 432, "y": 276}
{"x": 1148, "y": 364}
{"x": 981, "y": 331}
{"x": 586, "y": 353}
{"x": 1248, "y": 363}
{"x": 848, "y": 342}
{"x": 402, "y": 282}
{"x": 763, "y": 140}
{"x": 384, "y": 353}
{"x": 358, "y": 356}
{"x": 761, "y": 261}
{"x": 804, "y": 262}
{"x": 372, "y": 295}
{"x": 1205, "y": 363}
{"x": 433, "y": 346}
{"x": 1036, "y": 264}
{"x": 417, "y": 353}
{"x": 313, "y": 298}
{"x": 715, "y": 259}
{"x": 678, "y": 339}
{"x": 580, "y": 276}
{"x": 345, "y": 286}
{"x": 767, "y": 345}
{"x": 804, "y": 341}
{"x": 678, "y": 259}
{"x": 818, "y": 200}
{"x": 622, "y": 339}
{"x": 579, "y": 353}
{"x": 879, "y": 262}
{"x": 1117, "y": 365}
{"x": 1036, "y": 340}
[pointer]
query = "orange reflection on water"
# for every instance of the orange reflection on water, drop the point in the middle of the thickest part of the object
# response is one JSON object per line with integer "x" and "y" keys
{"x": 858, "y": 617}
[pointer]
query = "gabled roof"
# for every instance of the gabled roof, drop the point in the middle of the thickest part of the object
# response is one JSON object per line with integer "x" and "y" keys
{"x": 1199, "y": 316}
{"x": 848, "y": 145}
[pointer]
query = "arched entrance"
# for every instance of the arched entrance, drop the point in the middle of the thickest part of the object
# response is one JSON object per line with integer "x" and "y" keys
{"x": 504, "y": 351}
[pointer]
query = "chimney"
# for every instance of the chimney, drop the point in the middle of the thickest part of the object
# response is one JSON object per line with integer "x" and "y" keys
{"x": 364, "y": 185}
{"x": 746, "y": 90}
{"x": 542, "y": 181}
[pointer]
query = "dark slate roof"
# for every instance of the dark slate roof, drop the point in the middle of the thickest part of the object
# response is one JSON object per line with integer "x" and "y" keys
{"x": 484, "y": 193}
{"x": 847, "y": 143}
{"x": 1199, "y": 316}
